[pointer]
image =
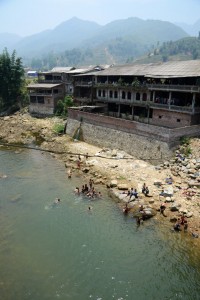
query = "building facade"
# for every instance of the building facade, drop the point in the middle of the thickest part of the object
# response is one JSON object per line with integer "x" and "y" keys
{"x": 163, "y": 94}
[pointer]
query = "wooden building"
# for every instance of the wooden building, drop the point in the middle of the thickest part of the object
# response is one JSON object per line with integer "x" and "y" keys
{"x": 163, "y": 94}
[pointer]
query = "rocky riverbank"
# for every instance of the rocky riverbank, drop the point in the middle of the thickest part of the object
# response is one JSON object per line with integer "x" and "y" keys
{"x": 175, "y": 182}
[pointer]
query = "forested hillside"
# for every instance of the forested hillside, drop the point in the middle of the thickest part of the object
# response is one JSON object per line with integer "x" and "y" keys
{"x": 183, "y": 49}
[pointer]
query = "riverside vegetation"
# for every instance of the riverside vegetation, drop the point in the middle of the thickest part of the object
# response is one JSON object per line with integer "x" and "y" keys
{"x": 176, "y": 182}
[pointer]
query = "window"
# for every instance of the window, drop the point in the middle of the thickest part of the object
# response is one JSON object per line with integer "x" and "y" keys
{"x": 116, "y": 94}
{"x": 40, "y": 99}
{"x": 137, "y": 96}
{"x": 110, "y": 94}
{"x": 99, "y": 93}
{"x": 178, "y": 120}
{"x": 144, "y": 97}
{"x": 104, "y": 94}
{"x": 123, "y": 95}
{"x": 129, "y": 95}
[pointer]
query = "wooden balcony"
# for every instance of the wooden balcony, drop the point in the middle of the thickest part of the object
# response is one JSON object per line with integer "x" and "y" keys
{"x": 174, "y": 88}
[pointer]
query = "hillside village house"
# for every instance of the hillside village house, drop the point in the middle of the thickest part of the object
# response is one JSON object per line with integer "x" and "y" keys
{"x": 53, "y": 86}
{"x": 163, "y": 94}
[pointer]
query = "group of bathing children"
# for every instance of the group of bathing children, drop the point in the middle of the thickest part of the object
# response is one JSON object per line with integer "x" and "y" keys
{"x": 88, "y": 190}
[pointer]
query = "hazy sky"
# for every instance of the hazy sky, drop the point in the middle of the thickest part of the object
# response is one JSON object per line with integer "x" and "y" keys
{"x": 26, "y": 17}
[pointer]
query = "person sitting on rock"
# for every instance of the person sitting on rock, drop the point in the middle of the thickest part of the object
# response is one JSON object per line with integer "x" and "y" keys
{"x": 144, "y": 188}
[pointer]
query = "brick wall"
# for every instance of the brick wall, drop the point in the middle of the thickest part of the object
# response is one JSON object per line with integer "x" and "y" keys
{"x": 170, "y": 118}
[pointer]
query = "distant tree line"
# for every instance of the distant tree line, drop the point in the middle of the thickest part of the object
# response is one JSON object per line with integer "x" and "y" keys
{"x": 11, "y": 80}
{"x": 190, "y": 47}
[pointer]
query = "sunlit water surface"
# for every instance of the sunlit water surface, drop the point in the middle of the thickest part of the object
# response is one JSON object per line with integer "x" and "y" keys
{"x": 67, "y": 252}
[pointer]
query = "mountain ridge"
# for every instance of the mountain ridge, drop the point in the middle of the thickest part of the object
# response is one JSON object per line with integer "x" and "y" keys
{"x": 122, "y": 39}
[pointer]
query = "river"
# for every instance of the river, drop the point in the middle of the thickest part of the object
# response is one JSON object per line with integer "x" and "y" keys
{"x": 67, "y": 252}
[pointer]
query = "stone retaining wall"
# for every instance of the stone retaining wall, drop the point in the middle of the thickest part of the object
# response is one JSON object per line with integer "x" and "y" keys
{"x": 143, "y": 141}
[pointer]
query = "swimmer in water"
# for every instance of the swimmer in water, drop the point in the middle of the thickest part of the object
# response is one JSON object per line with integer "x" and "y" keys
{"x": 69, "y": 173}
{"x": 57, "y": 200}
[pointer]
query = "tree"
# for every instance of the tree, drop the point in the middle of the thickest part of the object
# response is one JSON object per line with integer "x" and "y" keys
{"x": 62, "y": 106}
{"x": 11, "y": 79}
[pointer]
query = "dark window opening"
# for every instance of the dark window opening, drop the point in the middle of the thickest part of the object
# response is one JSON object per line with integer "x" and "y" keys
{"x": 144, "y": 97}
{"x": 137, "y": 96}
{"x": 129, "y": 95}
{"x": 178, "y": 120}
{"x": 41, "y": 99}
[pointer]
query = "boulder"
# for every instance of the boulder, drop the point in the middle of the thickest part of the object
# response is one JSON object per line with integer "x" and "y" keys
{"x": 175, "y": 206}
{"x": 173, "y": 219}
{"x": 189, "y": 214}
{"x": 86, "y": 170}
{"x": 151, "y": 201}
{"x": 113, "y": 183}
{"x": 168, "y": 199}
{"x": 122, "y": 186}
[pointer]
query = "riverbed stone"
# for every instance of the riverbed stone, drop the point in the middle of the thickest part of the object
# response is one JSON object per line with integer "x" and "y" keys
{"x": 122, "y": 186}
{"x": 113, "y": 183}
{"x": 175, "y": 206}
{"x": 189, "y": 214}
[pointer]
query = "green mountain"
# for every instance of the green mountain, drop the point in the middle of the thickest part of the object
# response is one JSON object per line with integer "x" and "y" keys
{"x": 76, "y": 42}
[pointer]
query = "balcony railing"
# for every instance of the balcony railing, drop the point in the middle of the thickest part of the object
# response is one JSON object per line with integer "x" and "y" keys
{"x": 160, "y": 87}
{"x": 173, "y": 87}
{"x": 83, "y": 83}
{"x": 50, "y": 81}
{"x": 45, "y": 94}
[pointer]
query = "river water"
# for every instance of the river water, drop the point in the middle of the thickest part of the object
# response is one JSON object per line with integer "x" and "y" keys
{"x": 66, "y": 252}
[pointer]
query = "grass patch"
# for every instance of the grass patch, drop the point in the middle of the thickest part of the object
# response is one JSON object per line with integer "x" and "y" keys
{"x": 59, "y": 128}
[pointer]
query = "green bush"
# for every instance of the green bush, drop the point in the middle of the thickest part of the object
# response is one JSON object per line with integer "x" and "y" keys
{"x": 187, "y": 151}
{"x": 59, "y": 128}
{"x": 184, "y": 140}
